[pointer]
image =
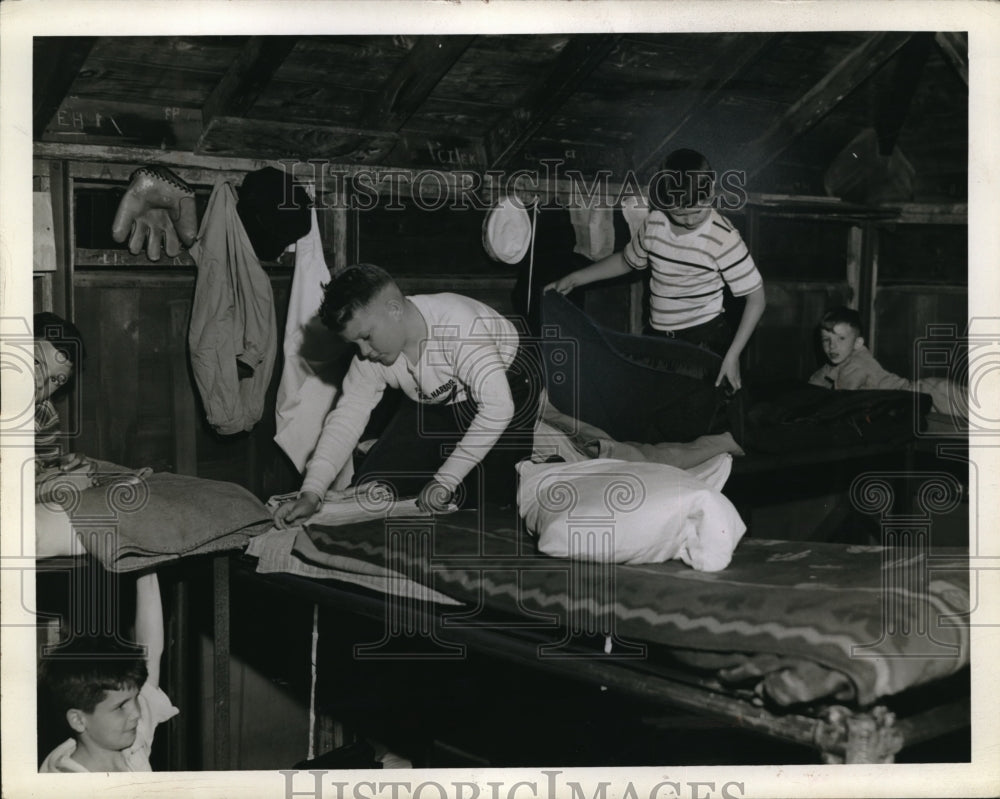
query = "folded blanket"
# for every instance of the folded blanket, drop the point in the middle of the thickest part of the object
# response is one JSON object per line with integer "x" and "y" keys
{"x": 291, "y": 551}
{"x": 136, "y": 522}
{"x": 357, "y": 504}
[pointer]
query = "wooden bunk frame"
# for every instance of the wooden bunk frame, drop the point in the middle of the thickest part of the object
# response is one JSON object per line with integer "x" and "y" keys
{"x": 838, "y": 733}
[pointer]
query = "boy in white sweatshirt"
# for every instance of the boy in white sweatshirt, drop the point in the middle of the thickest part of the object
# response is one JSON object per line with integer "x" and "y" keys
{"x": 468, "y": 382}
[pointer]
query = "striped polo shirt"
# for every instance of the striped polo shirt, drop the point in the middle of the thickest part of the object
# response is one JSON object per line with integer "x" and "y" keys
{"x": 688, "y": 269}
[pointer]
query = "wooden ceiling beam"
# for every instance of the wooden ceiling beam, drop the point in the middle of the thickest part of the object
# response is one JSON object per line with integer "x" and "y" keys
{"x": 56, "y": 61}
{"x": 238, "y": 137}
{"x": 248, "y": 75}
{"x": 816, "y": 103}
{"x": 897, "y": 96}
{"x": 730, "y": 62}
{"x": 581, "y": 55}
{"x": 412, "y": 81}
{"x": 955, "y": 47}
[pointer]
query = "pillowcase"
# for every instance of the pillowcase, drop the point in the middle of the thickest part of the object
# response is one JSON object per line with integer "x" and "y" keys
{"x": 617, "y": 511}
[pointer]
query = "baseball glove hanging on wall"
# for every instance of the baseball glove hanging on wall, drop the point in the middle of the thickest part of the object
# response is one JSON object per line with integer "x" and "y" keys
{"x": 157, "y": 212}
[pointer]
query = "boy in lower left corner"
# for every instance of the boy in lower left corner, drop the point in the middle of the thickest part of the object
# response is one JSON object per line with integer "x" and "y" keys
{"x": 110, "y": 695}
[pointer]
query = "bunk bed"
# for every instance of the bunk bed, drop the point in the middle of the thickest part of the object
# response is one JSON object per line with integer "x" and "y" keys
{"x": 855, "y": 652}
{"x": 789, "y": 438}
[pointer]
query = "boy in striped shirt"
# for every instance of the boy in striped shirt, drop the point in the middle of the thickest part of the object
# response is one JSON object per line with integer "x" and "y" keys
{"x": 691, "y": 252}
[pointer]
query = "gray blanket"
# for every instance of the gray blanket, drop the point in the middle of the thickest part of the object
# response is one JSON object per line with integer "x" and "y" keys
{"x": 135, "y": 522}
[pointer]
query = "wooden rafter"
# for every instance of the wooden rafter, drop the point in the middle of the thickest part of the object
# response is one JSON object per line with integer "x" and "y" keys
{"x": 56, "y": 63}
{"x": 576, "y": 61}
{"x": 898, "y": 94}
{"x": 731, "y": 60}
{"x": 412, "y": 81}
{"x": 238, "y": 90}
{"x": 955, "y": 47}
{"x": 820, "y": 100}
{"x": 240, "y": 137}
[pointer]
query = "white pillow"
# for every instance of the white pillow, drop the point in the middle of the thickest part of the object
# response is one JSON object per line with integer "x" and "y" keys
{"x": 626, "y": 512}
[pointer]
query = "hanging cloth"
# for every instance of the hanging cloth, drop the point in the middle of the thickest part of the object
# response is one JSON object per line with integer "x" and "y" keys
{"x": 233, "y": 333}
{"x": 595, "y": 231}
{"x": 313, "y": 355}
{"x": 634, "y": 209}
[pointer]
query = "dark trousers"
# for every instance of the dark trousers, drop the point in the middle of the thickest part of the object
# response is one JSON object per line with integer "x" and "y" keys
{"x": 714, "y": 335}
{"x": 419, "y": 437}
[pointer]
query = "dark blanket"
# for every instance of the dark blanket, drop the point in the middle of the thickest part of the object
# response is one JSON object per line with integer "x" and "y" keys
{"x": 798, "y": 621}
{"x": 798, "y": 417}
{"x": 650, "y": 390}
{"x": 636, "y": 388}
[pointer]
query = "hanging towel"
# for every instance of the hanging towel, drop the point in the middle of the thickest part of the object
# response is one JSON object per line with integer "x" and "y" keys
{"x": 233, "y": 335}
{"x": 634, "y": 209}
{"x": 595, "y": 231}
{"x": 313, "y": 354}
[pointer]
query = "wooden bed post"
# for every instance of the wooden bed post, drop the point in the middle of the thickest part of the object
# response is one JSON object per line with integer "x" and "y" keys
{"x": 846, "y": 736}
{"x": 221, "y": 726}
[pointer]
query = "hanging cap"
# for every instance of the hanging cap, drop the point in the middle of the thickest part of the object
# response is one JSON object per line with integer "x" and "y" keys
{"x": 274, "y": 211}
{"x": 507, "y": 232}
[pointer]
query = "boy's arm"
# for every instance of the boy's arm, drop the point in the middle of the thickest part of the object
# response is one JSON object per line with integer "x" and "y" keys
{"x": 149, "y": 623}
{"x": 821, "y": 377}
{"x": 754, "y": 309}
{"x": 612, "y": 266}
{"x": 362, "y": 388}
{"x": 862, "y": 371}
{"x": 483, "y": 373}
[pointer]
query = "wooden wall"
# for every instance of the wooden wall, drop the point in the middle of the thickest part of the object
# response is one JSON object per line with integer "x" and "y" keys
{"x": 136, "y": 404}
{"x": 137, "y": 399}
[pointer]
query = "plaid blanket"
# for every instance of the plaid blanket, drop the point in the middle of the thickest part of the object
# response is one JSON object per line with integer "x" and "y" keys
{"x": 796, "y": 621}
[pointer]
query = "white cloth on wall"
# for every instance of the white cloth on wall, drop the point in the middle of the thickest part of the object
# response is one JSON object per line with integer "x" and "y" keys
{"x": 634, "y": 209}
{"x": 308, "y": 388}
{"x": 595, "y": 231}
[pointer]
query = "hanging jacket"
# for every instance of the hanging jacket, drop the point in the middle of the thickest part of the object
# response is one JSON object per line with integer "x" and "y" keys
{"x": 233, "y": 334}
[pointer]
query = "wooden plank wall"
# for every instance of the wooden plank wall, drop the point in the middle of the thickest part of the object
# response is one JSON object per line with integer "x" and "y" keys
{"x": 137, "y": 399}
{"x": 138, "y": 406}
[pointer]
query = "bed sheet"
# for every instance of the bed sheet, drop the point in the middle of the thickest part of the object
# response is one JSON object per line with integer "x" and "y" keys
{"x": 799, "y": 621}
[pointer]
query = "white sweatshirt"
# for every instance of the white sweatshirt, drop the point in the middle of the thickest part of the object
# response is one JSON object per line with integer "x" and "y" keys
{"x": 468, "y": 349}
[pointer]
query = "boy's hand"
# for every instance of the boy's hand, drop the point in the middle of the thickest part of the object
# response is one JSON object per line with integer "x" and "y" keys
{"x": 74, "y": 473}
{"x": 730, "y": 371}
{"x": 563, "y": 285}
{"x": 434, "y": 497}
{"x": 288, "y": 513}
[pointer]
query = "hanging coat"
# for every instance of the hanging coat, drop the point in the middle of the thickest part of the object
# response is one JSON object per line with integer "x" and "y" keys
{"x": 233, "y": 334}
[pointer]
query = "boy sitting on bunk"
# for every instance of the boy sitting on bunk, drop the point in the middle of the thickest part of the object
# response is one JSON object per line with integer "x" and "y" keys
{"x": 58, "y": 350}
{"x": 109, "y": 694}
{"x": 692, "y": 252}
{"x": 851, "y": 366}
{"x": 467, "y": 381}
